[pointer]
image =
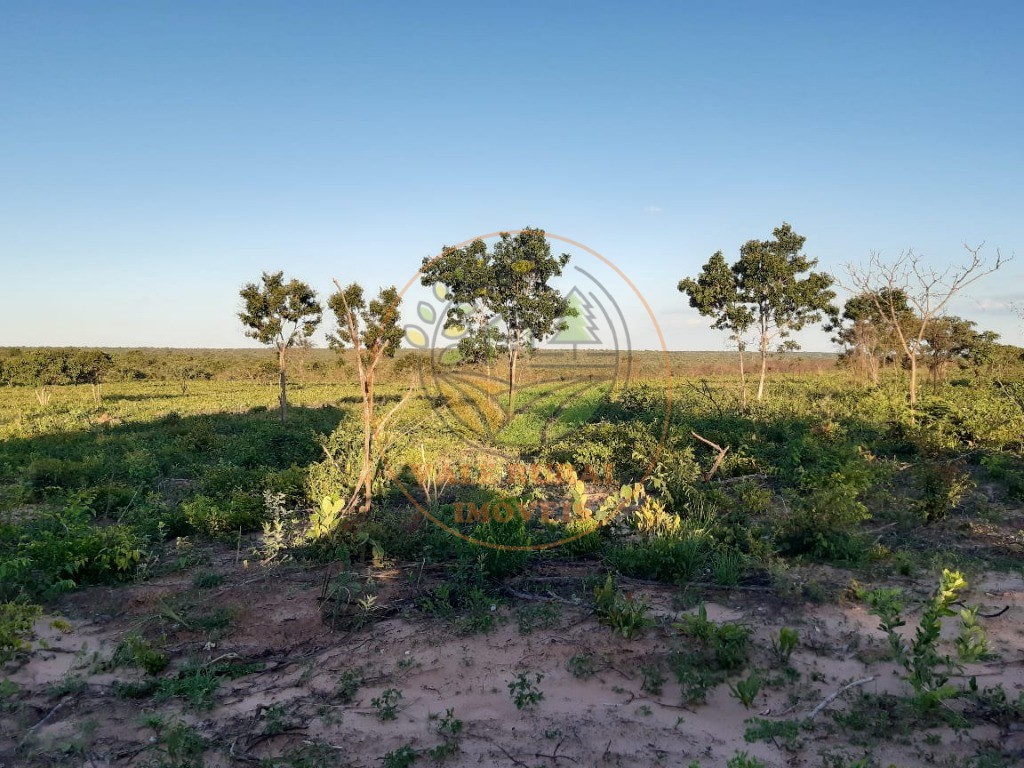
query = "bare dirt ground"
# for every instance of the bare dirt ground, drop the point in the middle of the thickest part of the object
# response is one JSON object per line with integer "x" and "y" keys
{"x": 294, "y": 692}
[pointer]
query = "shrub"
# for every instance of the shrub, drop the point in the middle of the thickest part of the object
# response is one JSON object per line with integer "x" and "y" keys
{"x": 59, "y": 549}
{"x": 623, "y": 614}
{"x": 729, "y": 642}
{"x": 501, "y": 563}
{"x": 942, "y": 485}
{"x": 669, "y": 559}
{"x": 823, "y": 515}
{"x": 16, "y": 620}
{"x": 242, "y": 511}
{"x": 626, "y": 448}
{"x": 1008, "y": 471}
{"x": 46, "y": 473}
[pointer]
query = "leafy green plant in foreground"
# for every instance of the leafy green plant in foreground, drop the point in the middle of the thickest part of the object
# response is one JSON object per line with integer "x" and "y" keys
{"x": 525, "y": 692}
{"x": 387, "y": 703}
{"x": 622, "y": 613}
{"x": 59, "y": 549}
{"x": 784, "y": 644}
{"x": 746, "y": 690}
{"x": 926, "y": 669}
{"x": 729, "y": 642}
{"x": 16, "y": 620}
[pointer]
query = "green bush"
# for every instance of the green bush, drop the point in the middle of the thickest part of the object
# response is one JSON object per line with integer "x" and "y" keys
{"x": 941, "y": 486}
{"x": 627, "y": 448}
{"x": 1008, "y": 471}
{"x": 16, "y": 620}
{"x": 242, "y": 511}
{"x": 666, "y": 558}
{"x": 60, "y": 549}
{"x": 499, "y": 564}
{"x": 51, "y": 473}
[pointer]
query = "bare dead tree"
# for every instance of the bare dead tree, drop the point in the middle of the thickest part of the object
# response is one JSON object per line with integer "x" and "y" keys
{"x": 928, "y": 291}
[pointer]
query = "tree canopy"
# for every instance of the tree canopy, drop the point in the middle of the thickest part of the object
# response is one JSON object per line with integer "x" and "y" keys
{"x": 771, "y": 289}
{"x": 511, "y": 281}
{"x": 280, "y": 314}
{"x": 371, "y": 328}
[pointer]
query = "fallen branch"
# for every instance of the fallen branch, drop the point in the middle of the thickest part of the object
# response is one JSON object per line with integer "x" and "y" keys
{"x": 515, "y": 760}
{"x": 829, "y": 699}
{"x": 994, "y": 615}
{"x": 551, "y": 598}
{"x": 718, "y": 461}
{"x": 51, "y": 713}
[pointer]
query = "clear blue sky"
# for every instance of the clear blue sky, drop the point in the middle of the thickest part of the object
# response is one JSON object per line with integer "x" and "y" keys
{"x": 154, "y": 156}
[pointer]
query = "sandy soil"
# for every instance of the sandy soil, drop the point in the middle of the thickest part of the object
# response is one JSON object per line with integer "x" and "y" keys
{"x": 66, "y": 711}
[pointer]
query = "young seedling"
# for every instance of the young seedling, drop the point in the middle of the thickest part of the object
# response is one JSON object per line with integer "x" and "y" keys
{"x": 525, "y": 693}
{"x": 403, "y": 757}
{"x": 625, "y": 615}
{"x": 746, "y": 690}
{"x": 387, "y": 704}
{"x": 784, "y": 645}
{"x": 348, "y": 685}
{"x": 927, "y": 670}
{"x": 450, "y": 729}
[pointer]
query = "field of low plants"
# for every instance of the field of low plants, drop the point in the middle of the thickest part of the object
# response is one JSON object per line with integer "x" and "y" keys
{"x": 644, "y": 571}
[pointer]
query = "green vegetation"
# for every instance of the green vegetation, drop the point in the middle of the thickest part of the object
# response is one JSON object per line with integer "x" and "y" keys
{"x": 16, "y": 622}
{"x": 197, "y": 486}
{"x": 387, "y": 703}
{"x": 510, "y": 283}
{"x": 927, "y": 669}
{"x": 623, "y": 614}
{"x": 746, "y": 690}
{"x": 524, "y": 691}
{"x": 784, "y": 644}
{"x": 282, "y": 315}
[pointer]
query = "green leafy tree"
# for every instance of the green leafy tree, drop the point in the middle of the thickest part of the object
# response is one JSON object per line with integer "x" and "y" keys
{"x": 90, "y": 366}
{"x": 373, "y": 332}
{"x": 480, "y": 346}
{"x": 770, "y": 289}
{"x": 283, "y": 315}
{"x": 953, "y": 339}
{"x": 715, "y": 294}
{"x": 867, "y": 335}
{"x": 510, "y": 282}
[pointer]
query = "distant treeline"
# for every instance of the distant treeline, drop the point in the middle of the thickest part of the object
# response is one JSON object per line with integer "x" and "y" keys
{"x": 52, "y": 366}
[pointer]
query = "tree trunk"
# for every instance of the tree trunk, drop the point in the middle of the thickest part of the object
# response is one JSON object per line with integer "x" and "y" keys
{"x": 743, "y": 375}
{"x": 764, "y": 360}
{"x": 284, "y": 385}
{"x": 367, "y": 479}
{"x": 512, "y": 358}
{"x": 913, "y": 384}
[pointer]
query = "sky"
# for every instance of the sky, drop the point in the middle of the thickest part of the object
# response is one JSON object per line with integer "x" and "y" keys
{"x": 156, "y": 156}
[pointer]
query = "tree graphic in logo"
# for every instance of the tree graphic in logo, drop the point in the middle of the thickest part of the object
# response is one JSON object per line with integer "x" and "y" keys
{"x": 580, "y": 328}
